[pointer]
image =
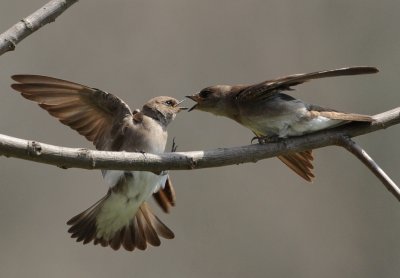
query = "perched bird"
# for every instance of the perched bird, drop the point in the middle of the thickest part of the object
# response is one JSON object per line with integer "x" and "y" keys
{"x": 122, "y": 216}
{"x": 271, "y": 114}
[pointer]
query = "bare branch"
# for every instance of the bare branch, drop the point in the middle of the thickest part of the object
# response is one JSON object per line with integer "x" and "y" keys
{"x": 46, "y": 14}
{"x": 90, "y": 159}
{"x": 362, "y": 155}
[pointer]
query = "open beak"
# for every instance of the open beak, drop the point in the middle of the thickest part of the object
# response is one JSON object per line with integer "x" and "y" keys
{"x": 180, "y": 107}
{"x": 194, "y": 98}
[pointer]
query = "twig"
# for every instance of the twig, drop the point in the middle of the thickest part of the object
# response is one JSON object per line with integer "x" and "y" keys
{"x": 362, "y": 155}
{"x": 46, "y": 14}
{"x": 90, "y": 159}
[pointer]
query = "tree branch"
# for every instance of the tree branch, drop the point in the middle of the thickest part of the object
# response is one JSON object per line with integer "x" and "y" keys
{"x": 46, "y": 14}
{"x": 363, "y": 156}
{"x": 90, "y": 159}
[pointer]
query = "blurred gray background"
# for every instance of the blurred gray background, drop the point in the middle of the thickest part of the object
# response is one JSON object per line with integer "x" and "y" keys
{"x": 253, "y": 220}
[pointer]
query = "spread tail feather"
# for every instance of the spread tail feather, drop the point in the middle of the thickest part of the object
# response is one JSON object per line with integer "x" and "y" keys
{"x": 166, "y": 197}
{"x": 144, "y": 228}
{"x": 300, "y": 163}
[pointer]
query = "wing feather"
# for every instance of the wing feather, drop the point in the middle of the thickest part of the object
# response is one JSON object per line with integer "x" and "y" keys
{"x": 268, "y": 88}
{"x": 95, "y": 114}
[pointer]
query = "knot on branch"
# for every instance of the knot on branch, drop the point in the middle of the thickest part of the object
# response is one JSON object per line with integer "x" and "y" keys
{"x": 34, "y": 148}
{"x": 10, "y": 44}
{"x": 192, "y": 163}
{"x": 28, "y": 25}
{"x": 87, "y": 155}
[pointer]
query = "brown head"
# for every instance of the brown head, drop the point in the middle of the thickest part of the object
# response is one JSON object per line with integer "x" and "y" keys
{"x": 215, "y": 99}
{"x": 163, "y": 108}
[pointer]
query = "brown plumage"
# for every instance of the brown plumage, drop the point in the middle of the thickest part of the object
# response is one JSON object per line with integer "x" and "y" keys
{"x": 122, "y": 217}
{"x": 95, "y": 114}
{"x": 166, "y": 196}
{"x": 300, "y": 163}
{"x": 269, "y": 113}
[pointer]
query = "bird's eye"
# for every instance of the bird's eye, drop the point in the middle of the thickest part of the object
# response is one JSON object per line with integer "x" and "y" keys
{"x": 204, "y": 94}
{"x": 170, "y": 103}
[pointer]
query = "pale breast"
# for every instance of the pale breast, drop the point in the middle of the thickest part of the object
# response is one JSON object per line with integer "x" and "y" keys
{"x": 273, "y": 117}
{"x": 147, "y": 136}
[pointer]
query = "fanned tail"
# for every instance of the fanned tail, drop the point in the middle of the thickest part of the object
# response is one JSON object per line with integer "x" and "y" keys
{"x": 143, "y": 228}
{"x": 300, "y": 163}
{"x": 166, "y": 197}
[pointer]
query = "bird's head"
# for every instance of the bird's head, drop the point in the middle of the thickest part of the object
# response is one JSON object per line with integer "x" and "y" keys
{"x": 163, "y": 108}
{"x": 214, "y": 99}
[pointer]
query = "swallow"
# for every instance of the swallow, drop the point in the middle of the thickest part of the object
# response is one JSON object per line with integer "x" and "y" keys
{"x": 122, "y": 217}
{"x": 271, "y": 114}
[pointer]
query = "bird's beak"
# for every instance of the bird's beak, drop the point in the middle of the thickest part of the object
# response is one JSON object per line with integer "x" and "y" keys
{"x": 195, "y": 98}
{"x": 181, "y": 107}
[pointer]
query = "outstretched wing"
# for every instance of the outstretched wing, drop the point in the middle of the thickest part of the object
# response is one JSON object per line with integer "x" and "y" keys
{"x": 268, "y": 88}
{"x": 95, "y": 114}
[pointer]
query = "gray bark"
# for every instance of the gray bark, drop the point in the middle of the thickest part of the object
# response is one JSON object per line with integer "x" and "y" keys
{"x": 90, "y": 159}
{"x": 46, "y": 14}
{"x": 363, "y": 156}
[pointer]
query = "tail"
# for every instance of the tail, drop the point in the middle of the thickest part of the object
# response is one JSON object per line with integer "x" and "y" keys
{"x": 166, "y": 197}
{"x": 315, "y": 111}
{"x": 300, "y": 163}
{"x": 136, "y": 232}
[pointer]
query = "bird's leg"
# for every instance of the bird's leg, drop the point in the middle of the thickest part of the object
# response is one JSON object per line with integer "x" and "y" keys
{"x": 255, "y": 138}
{"x": 174, "y": 146}
{"x": 142, "y": 152}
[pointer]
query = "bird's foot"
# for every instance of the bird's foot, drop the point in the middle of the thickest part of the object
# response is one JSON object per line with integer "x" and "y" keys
{"x": 265, "y": 139}
{"x": 142, "y": 153}
{"x": 161, "y": 173}
{"x": 164, "y": 173}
